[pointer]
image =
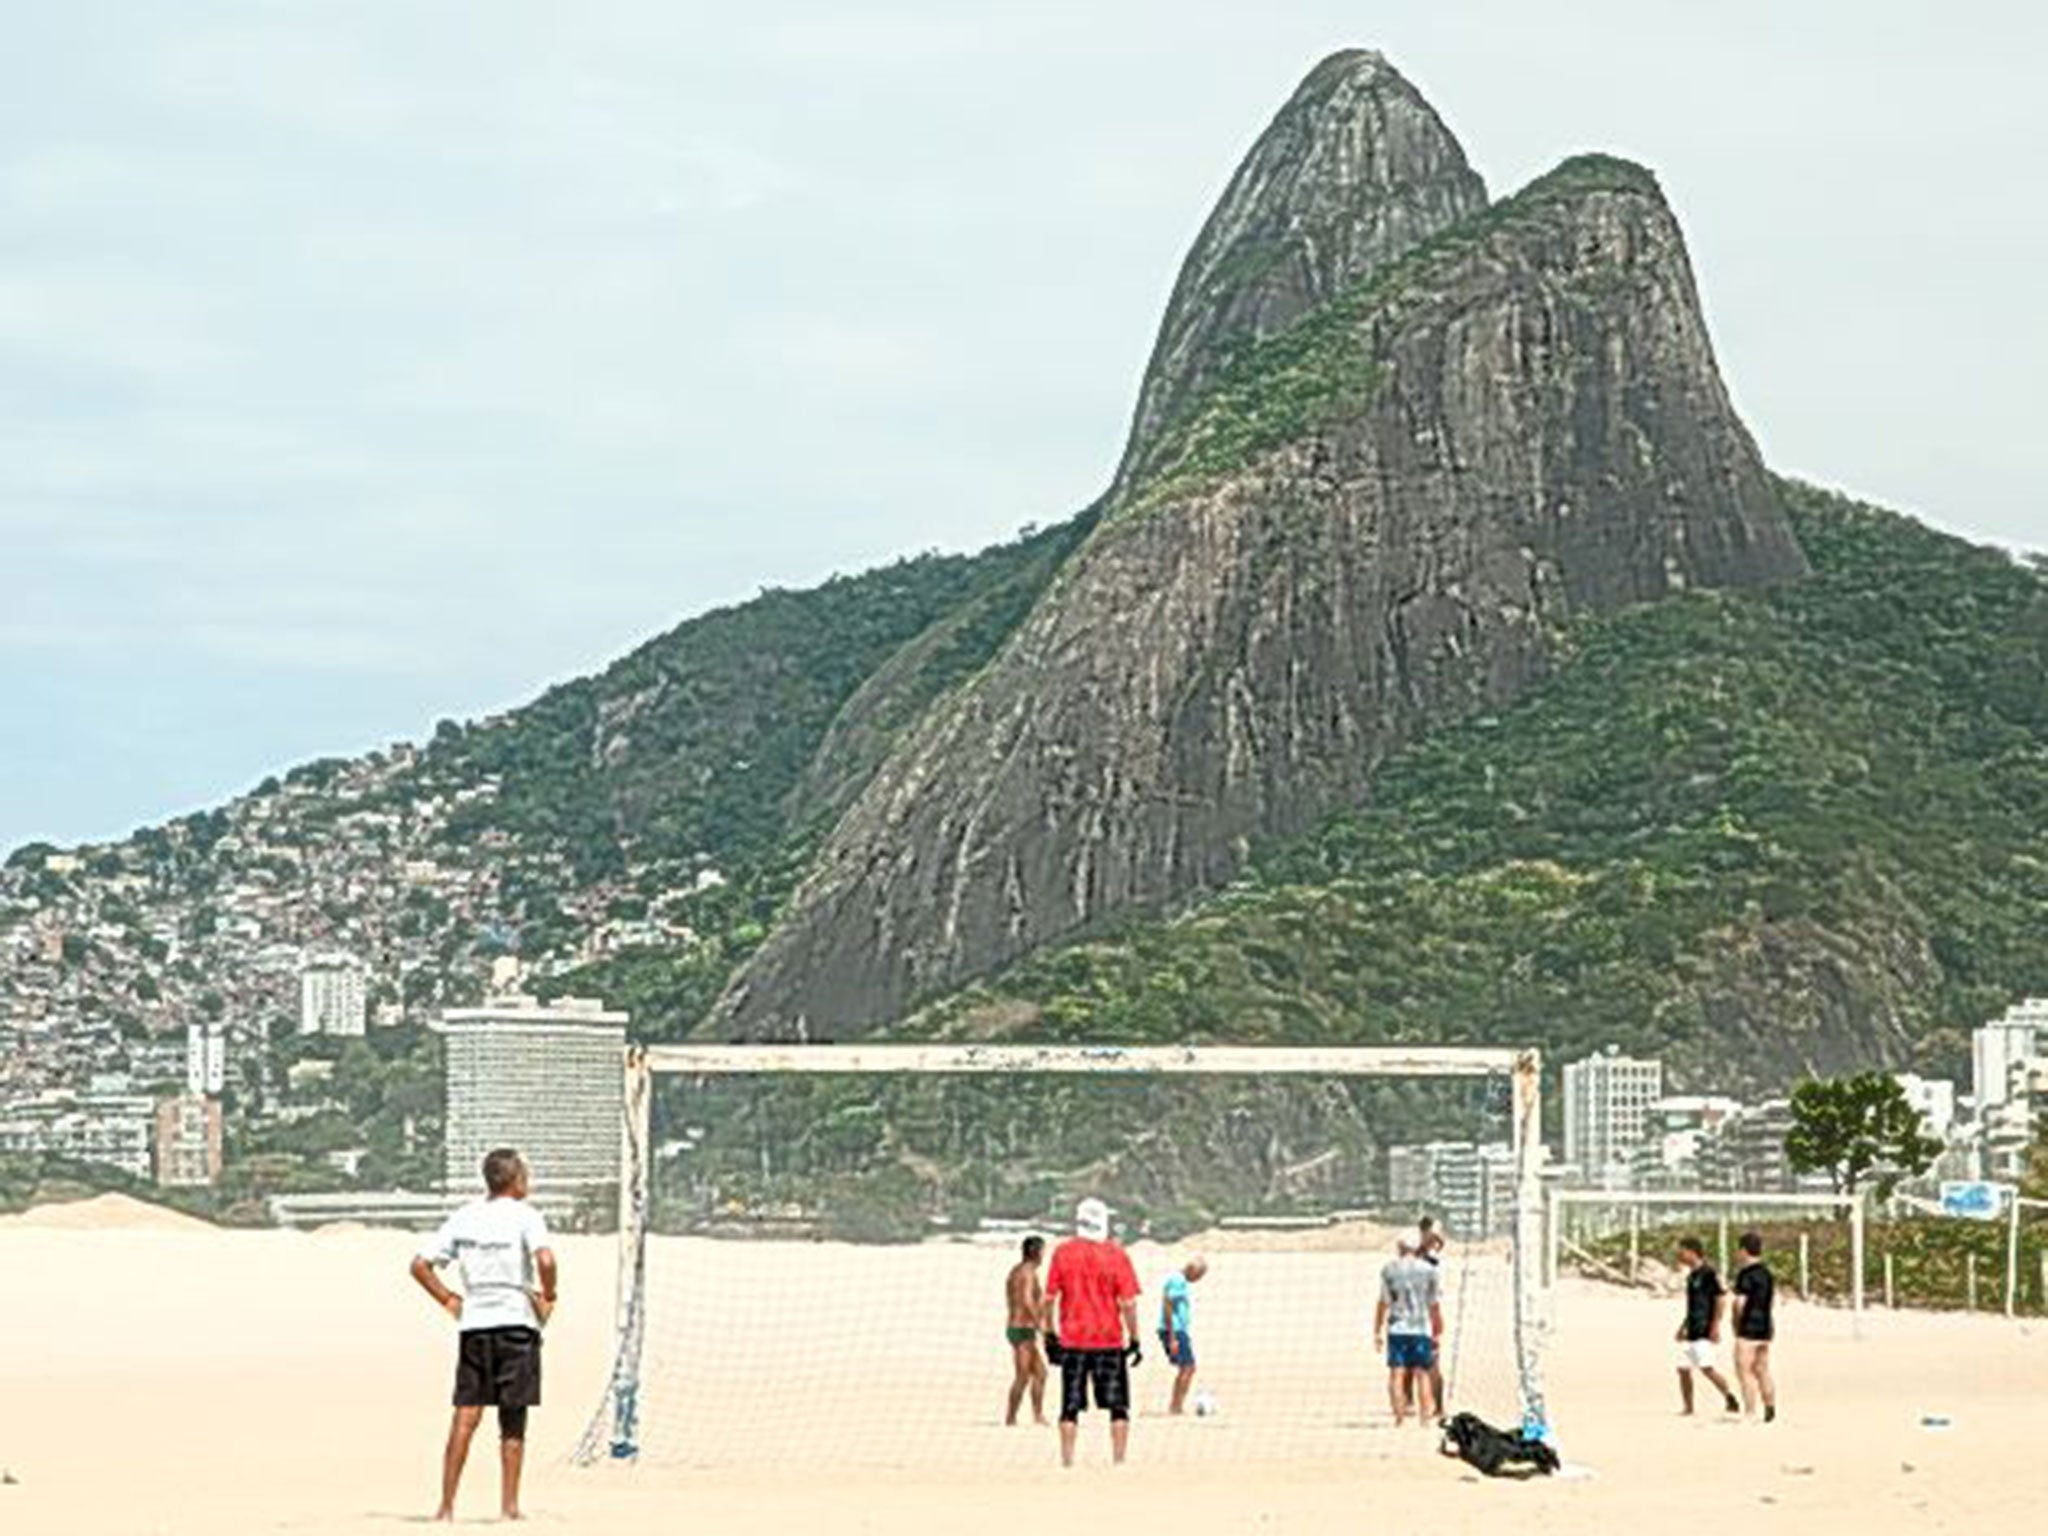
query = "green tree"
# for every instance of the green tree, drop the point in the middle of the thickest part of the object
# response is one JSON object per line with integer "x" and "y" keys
{"x": 1856, "y": 1128}
{"x": 2034, "y": 1179}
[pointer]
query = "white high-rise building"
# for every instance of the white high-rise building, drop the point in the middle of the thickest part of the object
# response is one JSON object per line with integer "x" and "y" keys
{"x": 1668, "y": 1156}
{"x": 1469, "y": 1186}
{"x": 1934, "y": 1098}
{"x": 1607, "y": 1112}
{"x": 206, "y": 1059}
{"x": 2000, "y": 1048}
{"x": 334, "y": 996}
{"x": 548, "y": 1080}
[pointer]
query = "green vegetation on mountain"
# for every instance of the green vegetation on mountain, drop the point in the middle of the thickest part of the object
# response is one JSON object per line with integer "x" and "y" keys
{"x": 1278, "y": 390}
{"x": 1763, "y": 835}
{"x": 758, "y": 721}
{"x": 383, "y": 1094}
{"x": 687, "y": 749}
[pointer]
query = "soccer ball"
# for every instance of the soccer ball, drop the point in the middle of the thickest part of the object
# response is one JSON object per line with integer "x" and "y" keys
{"x": 1205, "y": 1405}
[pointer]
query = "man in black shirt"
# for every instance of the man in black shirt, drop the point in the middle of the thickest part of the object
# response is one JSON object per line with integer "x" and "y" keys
{"x": 1700, "y": 1329}
{"x": 1754, "y": 1328}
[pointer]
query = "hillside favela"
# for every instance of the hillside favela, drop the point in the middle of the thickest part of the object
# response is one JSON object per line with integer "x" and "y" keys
{"x": 1449, "y": 807}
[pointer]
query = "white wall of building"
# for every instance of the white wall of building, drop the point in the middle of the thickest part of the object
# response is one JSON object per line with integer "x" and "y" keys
{"x": 1998, "y": 1048}
{"x": 549, "y": 1081}
{"x": 1935, "y": 1100}
{"x": 206, "y": 1059}
{"x": 1608, "y": 1102}
{"x": 334, "y": 996}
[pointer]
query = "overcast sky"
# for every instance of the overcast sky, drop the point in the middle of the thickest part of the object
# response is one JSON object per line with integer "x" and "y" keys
{"x": 364, "y": 363}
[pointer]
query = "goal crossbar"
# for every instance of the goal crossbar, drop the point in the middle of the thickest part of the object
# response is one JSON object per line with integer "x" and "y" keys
{"x": 969, "y": 1059}
{"x": 615, "y": 1428}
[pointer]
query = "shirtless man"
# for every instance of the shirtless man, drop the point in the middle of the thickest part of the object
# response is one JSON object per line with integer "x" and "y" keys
{"x": 1024, "y": 1294}
{"x": 1430, "y": 1249}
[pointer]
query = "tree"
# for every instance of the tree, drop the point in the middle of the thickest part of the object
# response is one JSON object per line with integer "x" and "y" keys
{"x": 2034, "y": 1178}
{"x": 1856, "y": 1128}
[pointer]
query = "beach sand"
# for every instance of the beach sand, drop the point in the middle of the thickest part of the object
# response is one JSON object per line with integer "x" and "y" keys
{"x": 157, "y": 1376}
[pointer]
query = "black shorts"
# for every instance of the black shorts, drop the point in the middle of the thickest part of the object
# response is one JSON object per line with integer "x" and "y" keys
{"x": 498, "y": 1368}
{"x": 1105, "y": 1368}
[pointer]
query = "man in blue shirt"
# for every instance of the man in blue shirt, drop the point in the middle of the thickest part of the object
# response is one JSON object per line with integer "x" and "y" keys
{"x": 1175, "y": 1310}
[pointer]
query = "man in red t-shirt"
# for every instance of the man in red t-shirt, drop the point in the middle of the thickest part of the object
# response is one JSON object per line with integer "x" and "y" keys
{"x": 1091, "y": 1295}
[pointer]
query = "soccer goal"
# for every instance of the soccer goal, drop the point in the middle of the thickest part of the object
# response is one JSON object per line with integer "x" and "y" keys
{"x": 814, "y": 1242}
{"x": 1814, "y": 1241}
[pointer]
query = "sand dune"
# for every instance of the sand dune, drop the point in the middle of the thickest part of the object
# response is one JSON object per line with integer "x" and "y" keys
{"x": 106, "y": 1213}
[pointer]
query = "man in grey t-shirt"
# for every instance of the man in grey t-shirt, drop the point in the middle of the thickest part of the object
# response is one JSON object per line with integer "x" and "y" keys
{"x": 1407, "y": 1324}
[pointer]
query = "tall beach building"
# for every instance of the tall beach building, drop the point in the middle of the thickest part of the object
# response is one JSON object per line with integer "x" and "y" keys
{"x": 1608, "y": 1099}
{"x": 334, "y": 996}
{"x": 547, "y": 1078}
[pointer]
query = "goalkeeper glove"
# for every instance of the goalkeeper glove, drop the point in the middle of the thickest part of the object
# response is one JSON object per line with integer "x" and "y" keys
{"x": 1055, "y": 1352}
{"x": 1132, "y": 1354}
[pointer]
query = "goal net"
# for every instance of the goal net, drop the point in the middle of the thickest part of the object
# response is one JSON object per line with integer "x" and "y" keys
{"x": 815, "y": 1243}
{"x": 1815, "y": 1243}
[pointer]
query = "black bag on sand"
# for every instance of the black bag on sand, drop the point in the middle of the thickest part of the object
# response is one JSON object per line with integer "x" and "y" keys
{"x": 1496, "y": 1452}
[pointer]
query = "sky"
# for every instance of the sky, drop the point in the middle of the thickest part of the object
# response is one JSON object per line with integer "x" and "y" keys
{"x": 368, "y": 363}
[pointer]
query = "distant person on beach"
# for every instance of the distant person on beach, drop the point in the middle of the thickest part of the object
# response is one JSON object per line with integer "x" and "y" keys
{"x": 1755, "y": 1293}
{"x": 1024, "y": 1297}
{"x": 1408, "y": 1324}
{"x": 1176, "y": 1314}
{"x": 1429, "y": 1248}
{"x": 1429, "y": 1241}
{"x": 1091, "y": 1295}
{"x": 1699, "y": 1331}
{"x": 500, "y": 1244}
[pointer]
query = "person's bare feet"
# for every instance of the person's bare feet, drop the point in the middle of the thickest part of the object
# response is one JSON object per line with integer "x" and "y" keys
{"x": 444, "y": 1516}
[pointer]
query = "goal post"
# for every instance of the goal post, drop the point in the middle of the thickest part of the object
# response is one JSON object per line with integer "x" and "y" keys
{"x": 619, "y": 1427}
{"x": 1632, "y": 1215}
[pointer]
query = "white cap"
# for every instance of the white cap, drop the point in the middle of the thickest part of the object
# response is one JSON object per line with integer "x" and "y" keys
{"x": 1091, "y": 1219}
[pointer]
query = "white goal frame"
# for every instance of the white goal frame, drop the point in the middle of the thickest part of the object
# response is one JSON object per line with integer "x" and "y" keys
{"x": 614, "y": 1429}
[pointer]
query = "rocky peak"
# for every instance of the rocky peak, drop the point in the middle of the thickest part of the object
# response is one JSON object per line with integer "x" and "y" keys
{"x": 1355, "y": 170}
{"x": 1377, "y": 522}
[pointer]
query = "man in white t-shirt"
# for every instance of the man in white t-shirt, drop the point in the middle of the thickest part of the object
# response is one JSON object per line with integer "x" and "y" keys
{"x": 508, "y": 1270}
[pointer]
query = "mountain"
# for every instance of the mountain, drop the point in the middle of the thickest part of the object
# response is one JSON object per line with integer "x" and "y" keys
{"x": 1376, "y": 521}
{"x": 1759, "y": 834}
{"x": 1441, "y": 663}
{"x": 1354, "y": 171}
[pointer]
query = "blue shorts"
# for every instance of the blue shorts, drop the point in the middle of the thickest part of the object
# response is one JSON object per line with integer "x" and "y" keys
{"x": 1178, "y": 1347}
{"x": 1410, "y": 1351}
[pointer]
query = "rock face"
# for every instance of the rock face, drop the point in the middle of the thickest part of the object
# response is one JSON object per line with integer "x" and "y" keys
{"x": 1356, "y": 170}
{"x": 1375, "y": 521}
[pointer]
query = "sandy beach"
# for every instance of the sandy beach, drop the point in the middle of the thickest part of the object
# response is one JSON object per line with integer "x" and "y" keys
{"x": 158, "y": 1376}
